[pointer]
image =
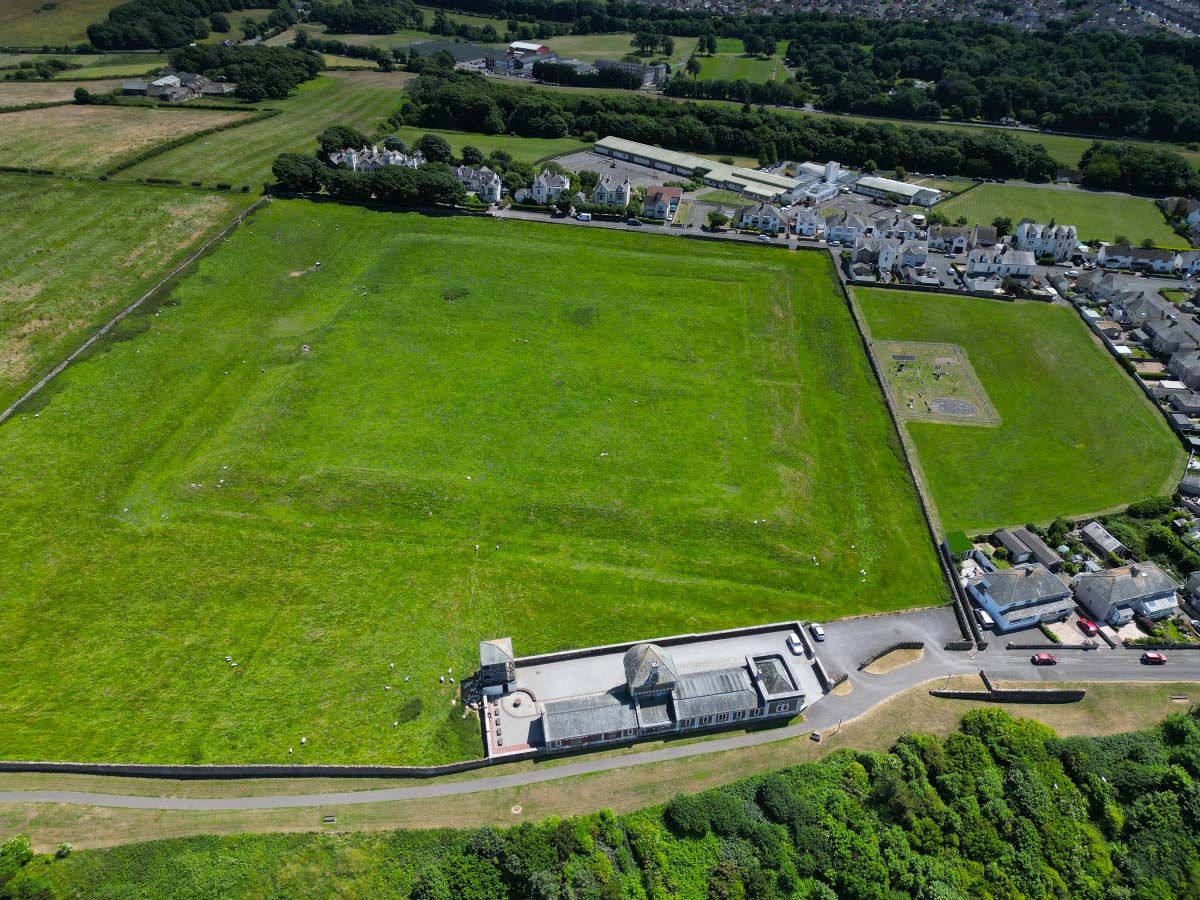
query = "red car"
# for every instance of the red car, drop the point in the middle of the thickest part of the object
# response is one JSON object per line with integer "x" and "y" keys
{"x": 1153, "y": 658}
{"x": 1088, "y": 628}
{"x": 1043, "y": 659}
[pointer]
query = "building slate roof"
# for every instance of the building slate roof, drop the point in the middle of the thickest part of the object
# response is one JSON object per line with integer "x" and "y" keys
{"x": 714, "y": 692}
{"x": 1040, "y": 549}
{"x": 591, "y": 714}
{"x": 497, "y": 652}
{"x": 649, "y": 667}
{"x": 1127, "y": 584}
{"x": 1100, "y": 537}
{"x": 1021, "y": 586}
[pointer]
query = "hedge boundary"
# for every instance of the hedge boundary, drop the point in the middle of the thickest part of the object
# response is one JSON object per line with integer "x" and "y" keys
{"x": 129, "y": 162}
{"x": 891, "y": 648}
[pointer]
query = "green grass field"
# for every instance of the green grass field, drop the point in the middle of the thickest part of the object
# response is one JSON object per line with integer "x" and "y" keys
{"x": 735, "y": 66}
{"x": 26, "y": 23}
{"x": 244, "y": 155}
{"x": 74, "y": 253}
{"x": 1076, "y": 436}
{"x": 1097, "y": 216}
{"x": 87, "y": 139}
{"x": 422, "y": 478}
{"x": 522, "y": 148}
{"x": 591, "y": 47}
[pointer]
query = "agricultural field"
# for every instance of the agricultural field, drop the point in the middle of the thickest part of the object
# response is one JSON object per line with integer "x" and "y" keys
{"x": 72, "y": 254}
{"x": 1075, "y": 436}
{"x": 114, "y": 65}
{"x": 1097, "y": 216}
{"x": 18, "y": 93}
{"x": 346, "y": 62}
{"x": 321, "y": 471}
{"x": 87, "y": 139}
{"x": 244, "y": 155}
{"x": 27, "y": 23}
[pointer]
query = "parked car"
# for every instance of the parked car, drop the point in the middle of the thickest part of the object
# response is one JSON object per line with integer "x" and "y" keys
{"x": 764, "y": 237}
{"x": 818, "y": 632}
{"x": 1195, "y": 623}
{"x": 633, "y": 222}
{"x": 1153, "y": 658}
{"x": 1072, "y": 273}
{"x": 583, "y": 217}
{"x": 984, "y": 617}
{"x": 1089, "y": 628}
{"x": 1043, "y": 659}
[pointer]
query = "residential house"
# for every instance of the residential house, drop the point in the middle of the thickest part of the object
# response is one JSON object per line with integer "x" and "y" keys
{"x": 1189, "y": 263}
{"x": 482, "y": 181}
{"x": 1097, "y": 536}
{"x": 983, "y": 236}
{"x": 1188, "y": 403}
{"x": 1122, "y": 256}
{"x": 1137, "y": 308}
{"x": 913, "y": 253}
{"x": 1059, "y": 241}
{"x": 372, "y": 159}
{"x": 1001, "y": 262}
{"x": 1098, "y": 285}
{"x": 547, "y": 186}
{"x": 948, "y": 239}
{"x": 881, "y": 254}
{"x": 808, "y": 223}
{"x": 661, "y": 202}
{"x": 894, "y": 225}
{"x": 1189, "y": 486}
{"x": 1185, "y": 367}
{"x": 1114, "y": 596}
{"x": 760, "y": 217}
{"x": 1021, "y": 597}
{"x": 845, "y": 227}
{"x": 610, "y": 192}
{"x": 1170, "y": 336}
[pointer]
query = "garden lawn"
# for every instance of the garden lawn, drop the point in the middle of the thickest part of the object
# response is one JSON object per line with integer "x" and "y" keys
{"x": 1076, "y": 435}
{"x": 72, "y": 254}
{"x": 322, "y": 471}
{"x": 1097, "y": 216}
{"x": 27, "y": 23}
{"x": 88, "y": 139}
{"x": 363, "y": 100}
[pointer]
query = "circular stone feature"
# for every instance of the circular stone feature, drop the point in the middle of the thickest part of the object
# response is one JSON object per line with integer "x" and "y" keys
{"x": 950, "y": 407}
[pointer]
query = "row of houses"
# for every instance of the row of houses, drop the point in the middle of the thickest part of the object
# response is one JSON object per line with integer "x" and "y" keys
{"x": 372, "y": 158}
{"x": 549, "y": 186}
{"x": 1152, "y": 259}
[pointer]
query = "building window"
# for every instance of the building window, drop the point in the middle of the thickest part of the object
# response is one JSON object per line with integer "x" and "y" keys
{"x": 723, "y": 717}
{"x": 740, "y": 714}
{"x": 757, "y": 711}
{"x": 705, "y": 720}
{"x": 687, "y": 723}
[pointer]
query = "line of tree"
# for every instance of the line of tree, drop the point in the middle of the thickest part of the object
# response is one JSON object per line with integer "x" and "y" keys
{"x": 1002, "y": 808}
{"x": 381, "y": 56}
{"x": 162, "y": 24}
{"x": 563, "y": 74}
{"x": 260, "y": 72}
{"x": 468, "y": 102}
{"x": 1130, "y": 167}
{"x": 367, "y": 16}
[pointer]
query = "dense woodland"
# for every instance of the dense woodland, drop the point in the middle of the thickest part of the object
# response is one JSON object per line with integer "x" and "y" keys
{"x": 1001, "y": 809}
{"x": 260, "y": 72}
{"x": 161, "y": 24}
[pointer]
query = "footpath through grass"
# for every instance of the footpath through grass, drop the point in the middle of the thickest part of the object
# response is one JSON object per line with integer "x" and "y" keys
{"x": 657, "y": 439}
{"x": 1077, "y": 436}
{"x": 1097, "y": 216}
{"x": 72, "y": 254}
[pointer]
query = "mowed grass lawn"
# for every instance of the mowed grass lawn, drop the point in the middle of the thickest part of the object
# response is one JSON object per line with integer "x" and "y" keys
{"x": 1076, "y": 435}
{"x": 86, "y": 139}
{"x": 27, "y": 23}
{"x": 522, "y": 148}
{"x": 1097, "y": 216}
{"x": 73, "y": 253}
{"x": 244, "y": 155}
{"x": 735, "y": 66}
{"x": 462, "y": 452}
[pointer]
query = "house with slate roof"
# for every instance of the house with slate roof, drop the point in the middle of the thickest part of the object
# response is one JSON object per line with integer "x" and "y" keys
{"x": 1114, "y": 596}
{"x": 1022, "y": 596}
{"x": 1059, "y": 241}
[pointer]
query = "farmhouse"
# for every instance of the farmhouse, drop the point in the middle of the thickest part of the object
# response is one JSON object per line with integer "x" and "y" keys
{"x": 751, "y": 182}
{"x": 661, "y": 202}
{"x": 885, "y": 188}
{"x": 1059, "y": 241}
{"x": 623, "y": 692}
{"x": 1114, "y": 596}
{"x": 1021, "y": 596}
{"x": 610, "y": 192}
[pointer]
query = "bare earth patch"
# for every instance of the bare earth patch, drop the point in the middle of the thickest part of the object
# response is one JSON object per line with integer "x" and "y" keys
{"x": 843, "y": 690}
{"x": 897, "y": 659}
{"x": 87, "y": 138}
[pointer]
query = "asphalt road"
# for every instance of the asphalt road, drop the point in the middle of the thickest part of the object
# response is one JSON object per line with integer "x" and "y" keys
{"x": 848, "y": 641}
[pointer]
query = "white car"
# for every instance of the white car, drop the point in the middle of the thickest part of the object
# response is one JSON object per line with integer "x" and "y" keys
{"x": 764, "y": 237}
{"x": 1073, "y": 273}
{"x": 818, "y": 632}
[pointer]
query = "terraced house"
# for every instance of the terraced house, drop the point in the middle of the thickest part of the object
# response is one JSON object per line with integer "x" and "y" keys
{"x": 1059, "y": 241}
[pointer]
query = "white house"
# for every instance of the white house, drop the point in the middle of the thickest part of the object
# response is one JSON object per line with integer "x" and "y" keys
{"x": 948, "y": 239}
{"x": 610, "y": 192}
{"x": 483, "y": 182}
{"x": 809, "y": 223}
{"x": 760, "y": 217}
{"x": 879, "y": 252}
{"x": 1059, "y": 241}
{"x": 845, "y": 227}
{"x": 661, "y": 201}
{"x": 895, "y": 225}
{"x": 1122, "y": 256}
{"x": 1000, "y": 261}
{"x": 372, "y": 159}
{"x": 547, "y": 186}
{"x": 913, "y": 253}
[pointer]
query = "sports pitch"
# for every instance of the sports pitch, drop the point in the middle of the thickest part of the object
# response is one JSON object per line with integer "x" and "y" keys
{"x": 451, "y": 429}
{"x": 1075, "y": 435}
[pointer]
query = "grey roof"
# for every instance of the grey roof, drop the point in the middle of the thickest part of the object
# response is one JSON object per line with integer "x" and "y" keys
{"x": 714, "y": 692}
{"x": 654, "y": 711}
{"x": 947, "y": 232}
{"x": 1173, "y": 329}
{"x": 576, "y": 717}
{"x": 1127, "y": 584}
{"x": 649, "y": 667}
{"x": 1021, "y": 586}
{"x": 1011, "y": 542}
{"x": 1099, "y": 536}
{"x": 1189, "y": 401}
{"x": 497, "y": 652}
{"x": 1040, "y": 549}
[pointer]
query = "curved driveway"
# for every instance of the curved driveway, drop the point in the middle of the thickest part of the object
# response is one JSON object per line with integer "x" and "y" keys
{"x": 848, "y": 641}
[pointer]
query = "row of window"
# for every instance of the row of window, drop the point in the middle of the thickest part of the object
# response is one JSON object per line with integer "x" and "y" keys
{"x": 701, "y": 722}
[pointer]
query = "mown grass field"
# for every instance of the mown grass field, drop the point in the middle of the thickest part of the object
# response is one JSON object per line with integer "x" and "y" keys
{"x": 87, "y": 139}
{"x": 590, "y": 47}
{"x": 422, "y": 478}
{"x": 25, "y": 23}
{"x": 244, "y": 155}
{"x": 72, "y": 254}
{"x": 1097, "y": 216}
{"x": 735, "y": 66}
{"x": 1076, "y": 435}
{"x": 522, "y": 148}
{"x": 18, "y": 93}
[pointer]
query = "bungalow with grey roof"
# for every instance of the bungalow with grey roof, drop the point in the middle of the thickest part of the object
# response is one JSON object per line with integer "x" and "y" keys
{"x": 1021, "y": 597}
{"x": 1136, "y": 307}
{"x": 1171, "y": 336}
{"x": 1122, "y": 256}
{"x": 1186, "y": 368}
{"x": 1114, "y": 596}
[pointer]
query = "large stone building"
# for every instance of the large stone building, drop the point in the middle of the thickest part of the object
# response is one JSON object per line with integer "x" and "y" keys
{"x": 1059, "y": 241}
